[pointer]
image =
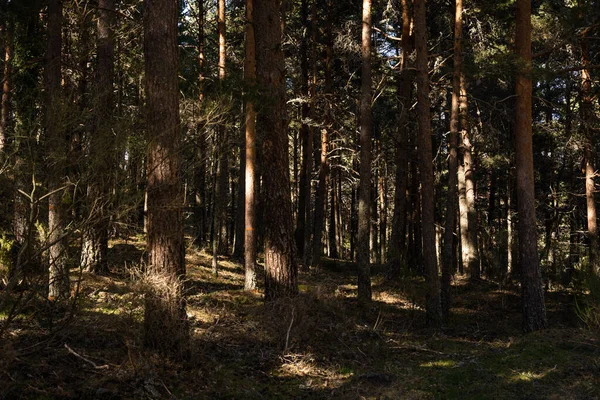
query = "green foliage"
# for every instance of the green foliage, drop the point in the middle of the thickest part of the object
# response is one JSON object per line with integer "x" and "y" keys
{"x": 588, "y": 308}
{"x": 6, "y": 247}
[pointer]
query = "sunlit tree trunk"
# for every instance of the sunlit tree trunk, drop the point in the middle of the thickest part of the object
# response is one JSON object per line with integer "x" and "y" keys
{"x": 165, "y": 321}
{"x": 534, "y": 312}
{"x": 466, "y": 193}
{"x": 250, "y": 181}
{"x": 433, "y": 304}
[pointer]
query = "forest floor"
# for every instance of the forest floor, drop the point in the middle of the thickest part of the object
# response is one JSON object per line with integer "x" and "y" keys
{"x": 320, "y": 345}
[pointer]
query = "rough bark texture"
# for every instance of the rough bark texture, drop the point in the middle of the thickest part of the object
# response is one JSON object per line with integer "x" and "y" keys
{"x": 364, "y": 195}
{"x": 250, "y": 193}
{"x": 534, "y": 312}
{"x": 56, "y": 138}
{"x": 165, "y": 322}
{"x": 451, "y": 198}
{"x": 433, "y": 304}
{"x": 281, "y": 272}
{"x": 466, "y": 193}
{"x": 95, "y": 239}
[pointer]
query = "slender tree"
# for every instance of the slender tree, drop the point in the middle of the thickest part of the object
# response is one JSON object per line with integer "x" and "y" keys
{"x": 451, "y": 198}
{"x": 95, "y": 239}
{"x": 433, "y": 304}
{"x": 165, "y": 322}
{"x": 281, "y": 271}
{"x": 364, "y": 195}
{"x": 534, "y": 312}
{"x": 397, "y": 248}
{"x": 250, "y": 182}
{"x": 56, "y": 142}
{"x": 220, "y": 207}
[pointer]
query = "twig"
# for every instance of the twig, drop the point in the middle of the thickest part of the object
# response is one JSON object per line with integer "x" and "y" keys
{"x": 287, "y": 336}
{"x": 93, "y": 364}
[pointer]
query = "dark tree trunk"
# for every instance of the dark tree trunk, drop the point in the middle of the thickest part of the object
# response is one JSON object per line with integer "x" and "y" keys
{"x": 56, "y": 139}
{"x": 95, "y": 239}
{"x": 364, "y": 195}
{"x": 302, "y": 230}
{"x": 397, "y": 249}
{"x": 221, "y": 200}
{"x": 281, "y": 271}
{"x": 534, "y": 312}
{"x": 165, "y": 320}
{"x": 433, "y": 304}
{"x": 7, "y": 86}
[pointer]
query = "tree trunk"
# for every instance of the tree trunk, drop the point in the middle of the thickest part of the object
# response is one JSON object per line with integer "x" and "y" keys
{"x": 95, "y": 240}
{"x": 281, "y": 272}
{"x": 307, "y": 144}
{"x": 364, "y": 195}
{"x": 586, "y": 109}
{"x": 433, "y": 304}
{"x": 397, "y": 249}
{"x": 57, "y": 218}
{"x": 451, "y": 198}
{"x": 221, "y": 200}
{"x": 7, "y": 86}
{"x": 250, "y": 181}
{"x": 468, "y": 213}
{"x": 534, "y": 312}
{"x": 165, "y": 321}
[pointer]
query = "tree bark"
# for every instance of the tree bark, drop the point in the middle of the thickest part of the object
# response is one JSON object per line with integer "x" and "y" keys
{"x": 165, "y": 320}
{"x": 397, "y": 249}
{"x": 364, "y": 195}
{"x": 450, "y": 225}
{"x": 250, "y": 181}
{"x": 7, "y": 86}
{"x": 220, "y": 213}
{"x": 95, "y": 240}
{"x": 468, "y": 213}
{"x": 57, "y": 217}
{"x": 433, "y": 304}
{"x": 534, "y": 312}
{"x": 281, "y": 271}
{"x": 302, "y": 230}
{"x": 586, "y": 110}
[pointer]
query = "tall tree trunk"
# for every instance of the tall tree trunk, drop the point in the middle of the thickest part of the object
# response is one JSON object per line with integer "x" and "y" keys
{"x": 466, "y": 186}
{"x": 250, "y": 181}
{"x": 201, "y": 201}
{"x": 364, "y": 195}
{"x": 7, "y": 85}
{"x": 57, "y": 218}
{"x": 165, "y": 321}
{"x": 95, "y": 240}
{"x": 221, "y": 200}
{"x": 302, "y": 231}
{"x": 397, "y": 249}
{"x": 450, "y": 226}
{"x": 281, "y": 271}
{"x": 534, "y": 312}
{"x": 586, "y": 109}
{"x": 433, "y": 303}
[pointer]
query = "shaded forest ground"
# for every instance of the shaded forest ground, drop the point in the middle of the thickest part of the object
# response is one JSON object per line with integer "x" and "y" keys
{"x": 319, "y": 345}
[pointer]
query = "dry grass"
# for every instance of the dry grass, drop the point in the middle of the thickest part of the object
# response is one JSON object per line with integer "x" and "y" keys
{"x": 321, "y": 344}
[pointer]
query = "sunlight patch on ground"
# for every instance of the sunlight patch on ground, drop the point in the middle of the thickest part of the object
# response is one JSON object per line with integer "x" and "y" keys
{"x": 528, "y": 376}
{"x": 439, "y": 364}
{"x": 315, "y": 376}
